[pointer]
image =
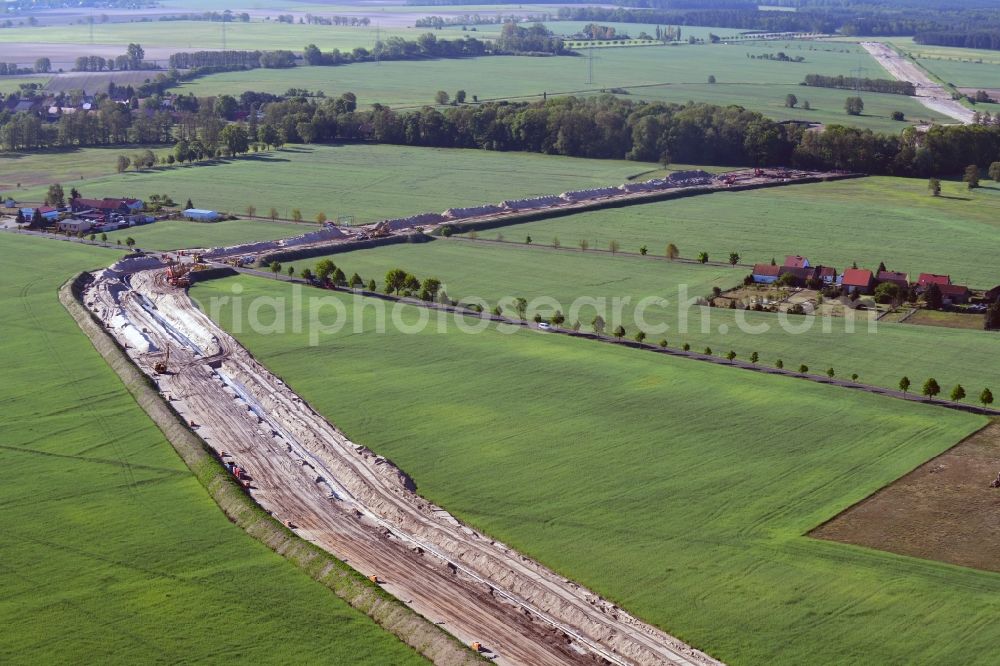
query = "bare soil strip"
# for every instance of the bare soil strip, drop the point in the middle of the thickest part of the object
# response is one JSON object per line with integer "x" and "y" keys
{"x": 929, "y": 93}
{"x": 358, "y": 505}
{"x": 427, "y": 639}
{"x": 944, "y": 510}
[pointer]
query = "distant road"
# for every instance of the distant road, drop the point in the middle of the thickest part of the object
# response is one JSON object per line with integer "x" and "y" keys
{"x": 929, "y": 93}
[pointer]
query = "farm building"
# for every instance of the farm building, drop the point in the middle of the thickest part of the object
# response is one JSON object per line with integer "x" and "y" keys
{"x": 954, "y": 294}
{"x": 74, "y": 226}
{"x": 48, "y": 213}
{"x": 901, "y": 280}
{"x": 801, "y": 275}
{"x": 765, "y": 273}
{"x": 106, "y": 206}
{"x": 992, "y": 295}
{"x": 858, "y": 280}
{"x": 201, "y": 215}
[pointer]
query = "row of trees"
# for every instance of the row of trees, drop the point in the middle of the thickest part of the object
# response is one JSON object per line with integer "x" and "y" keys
{"x": 132, "y": 59}
{"x": 868, "y": 85}
{"x": 931, "y": 389}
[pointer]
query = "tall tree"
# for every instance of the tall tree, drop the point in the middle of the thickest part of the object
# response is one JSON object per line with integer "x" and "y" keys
{"x": 931, "y": 388}
{"x": 904, "y": 384}
{"x": 958, "y": 393}
{"x": 55, "y": 195}
{"x": 971, "y": 177}
{"x": 986, "y": 398}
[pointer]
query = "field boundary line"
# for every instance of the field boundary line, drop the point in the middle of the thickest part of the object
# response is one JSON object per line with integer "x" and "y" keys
{"x": 392, "y": 615}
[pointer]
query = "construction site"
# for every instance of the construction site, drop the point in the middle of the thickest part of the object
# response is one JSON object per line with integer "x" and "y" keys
{"x": 355, "y": 504}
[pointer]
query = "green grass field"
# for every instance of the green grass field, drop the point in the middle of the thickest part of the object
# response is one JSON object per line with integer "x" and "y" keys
{"x": 494, "y": 271}
{"x": 679, "y": 489}
{"x": 9, "y": 84}
{"x": 370, "y": 182}
{"x": 201, "y": 35}
{"x": 111, "y": 550}
{"x": 173, "y": 235}
{"x": 671, "y": 74}
{"x": 866, "y": 220}
{"x": 24, "y": 171}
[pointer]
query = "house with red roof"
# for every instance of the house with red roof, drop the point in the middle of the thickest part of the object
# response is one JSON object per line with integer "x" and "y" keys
{"x": 765, "y": 273}
{"x": 858, "y": 280}
{"x": 796, "y": 261}
{"x": 927, "y": 279}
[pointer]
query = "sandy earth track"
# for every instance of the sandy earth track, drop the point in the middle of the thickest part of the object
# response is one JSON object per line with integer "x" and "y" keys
{"x": 363, "y": 509}
{"x": 929, "y": 93}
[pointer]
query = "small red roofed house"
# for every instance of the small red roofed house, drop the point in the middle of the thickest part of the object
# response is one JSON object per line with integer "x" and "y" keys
{"x": 858, "y": 280}
{"x": 796, "y": 261}
{"x": 927, "y": 279}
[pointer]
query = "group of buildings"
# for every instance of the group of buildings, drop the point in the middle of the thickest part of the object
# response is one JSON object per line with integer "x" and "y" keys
{"x": 83, "y": 215}
{"x": 856, "y": 280}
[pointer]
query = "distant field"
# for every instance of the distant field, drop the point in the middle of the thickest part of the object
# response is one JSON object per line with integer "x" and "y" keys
{"x": 28, "y": 170}
{"x": 493, "y": 271}
{"x": 172, "y": 235}
{"x": 9, "y": 84}
{"x": 660, "y": 73}
{"x": 864, "y": 220}
{"x": 201, "y": 35}
{"x": 678, "y": 489}
{"x": 112, "y": 552}
{"x": 370, "y": 182}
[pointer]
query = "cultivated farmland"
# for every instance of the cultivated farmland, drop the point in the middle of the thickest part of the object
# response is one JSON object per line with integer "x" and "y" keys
{"x": 370, "y": 182}
{"x": 493, "y": 271}
{"x": 690, "y": 510}
{"x": 112, "y": 551}
{"x": 834, "y": 224}
{"x": 672, "y": 74}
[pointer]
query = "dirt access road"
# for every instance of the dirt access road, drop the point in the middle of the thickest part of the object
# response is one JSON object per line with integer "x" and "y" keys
{"x": 356, "y": 504}
{"x": 929, "y": 93}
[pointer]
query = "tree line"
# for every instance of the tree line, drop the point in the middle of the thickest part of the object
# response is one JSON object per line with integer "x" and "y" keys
{"x": 600, "y": 127}
{"x": 868, "y": 85}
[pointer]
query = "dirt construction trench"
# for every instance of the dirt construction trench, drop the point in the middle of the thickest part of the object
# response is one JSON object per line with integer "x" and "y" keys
{"x": 356, "y": 504}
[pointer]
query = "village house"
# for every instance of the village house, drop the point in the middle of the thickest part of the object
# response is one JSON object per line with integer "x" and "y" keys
{"x": 927, "y": 279}
{"x": 954, "y": 294}
{"x": 827, "y": 274}
{"x": 101, "y": 210}
{"x": 74, "y": 226}
{"x": 796, "y": 261}
{"x": 765, "y": 273}
{"x": 858, "y": 280}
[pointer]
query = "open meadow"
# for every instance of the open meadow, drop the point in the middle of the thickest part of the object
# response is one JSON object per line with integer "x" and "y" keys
{"x": 680, "y": 490}
{"x": 111, "y": 550}
{"x": 370, "y": 182}
{"x": 203, "y": 35}
{"x": 661, "y": 73}
{"x": 865, "y": 220}
{"x": 495, "y": 271}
